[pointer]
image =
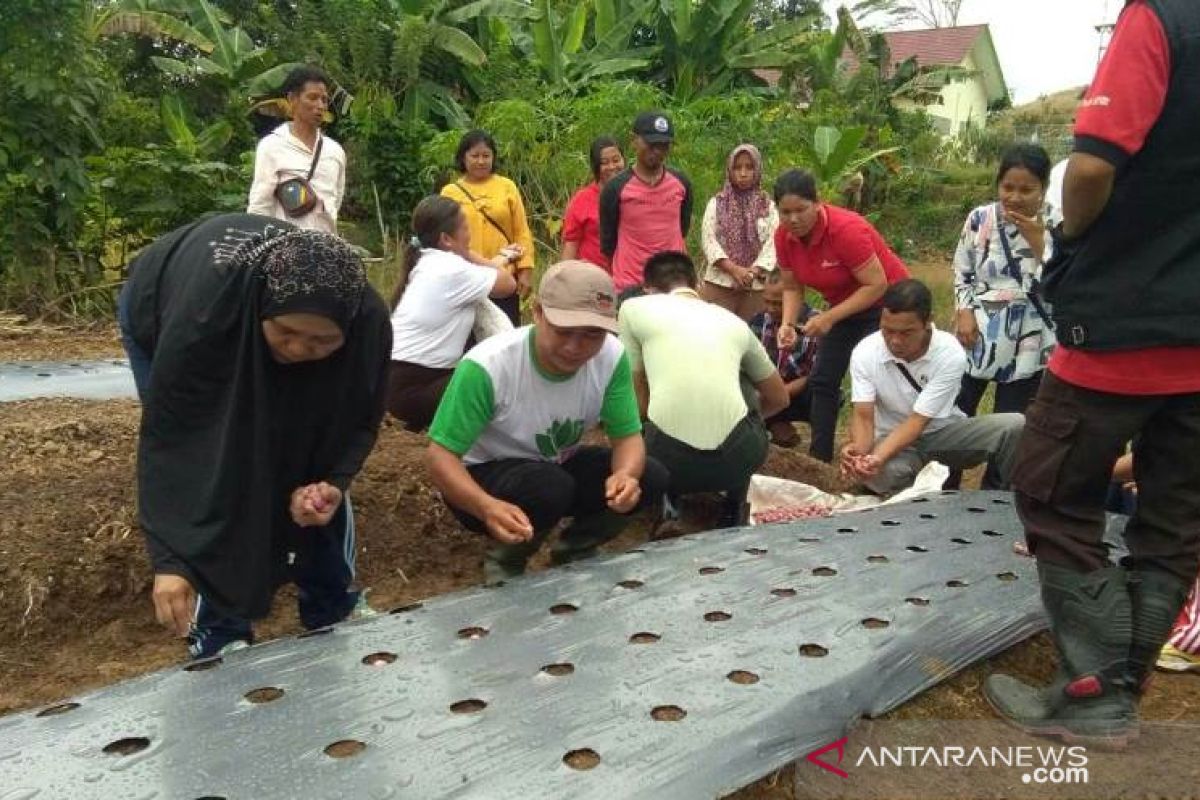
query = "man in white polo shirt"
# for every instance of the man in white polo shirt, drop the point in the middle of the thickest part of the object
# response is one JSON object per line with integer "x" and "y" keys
{"x": 905, "y": 378}
{"x": 506, "y": 443}
{"x": 297, "y": 154}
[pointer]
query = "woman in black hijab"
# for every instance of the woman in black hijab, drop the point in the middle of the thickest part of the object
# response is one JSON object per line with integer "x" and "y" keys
{"x": 260, "y": 355}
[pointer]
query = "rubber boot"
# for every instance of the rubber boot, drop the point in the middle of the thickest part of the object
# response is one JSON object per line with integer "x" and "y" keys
{"x": 1156, "y": 597}
{"x": 581, "y": 538}
{"x": 1091, "y": 703}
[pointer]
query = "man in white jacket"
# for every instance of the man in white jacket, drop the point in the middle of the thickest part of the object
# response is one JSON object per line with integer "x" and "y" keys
{"x": 297, "y": 148}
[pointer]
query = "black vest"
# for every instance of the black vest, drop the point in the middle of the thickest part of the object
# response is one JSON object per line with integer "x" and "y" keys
{"x": 1133, "y": 279}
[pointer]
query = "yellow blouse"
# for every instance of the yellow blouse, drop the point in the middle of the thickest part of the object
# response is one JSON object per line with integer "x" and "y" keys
{"x": 499, "y": 198}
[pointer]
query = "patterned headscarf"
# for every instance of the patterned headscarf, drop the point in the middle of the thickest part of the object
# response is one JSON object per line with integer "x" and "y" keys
{"x": 309, "y": 272}
{"x": 738, "y": 211}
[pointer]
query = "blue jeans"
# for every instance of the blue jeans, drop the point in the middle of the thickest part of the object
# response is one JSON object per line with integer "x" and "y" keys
{"x": 139, "y": 359}
{"x": 324, "y": 586}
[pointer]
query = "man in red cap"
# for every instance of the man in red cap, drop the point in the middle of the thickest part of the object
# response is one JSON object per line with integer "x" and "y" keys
{"x": 505, "y": 445}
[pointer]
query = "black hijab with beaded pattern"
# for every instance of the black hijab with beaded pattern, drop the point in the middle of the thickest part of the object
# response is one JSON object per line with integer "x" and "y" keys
{"x": 227, "y": 432}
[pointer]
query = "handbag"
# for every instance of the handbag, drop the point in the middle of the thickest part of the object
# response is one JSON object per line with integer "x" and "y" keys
{"x": 296, "y": 195}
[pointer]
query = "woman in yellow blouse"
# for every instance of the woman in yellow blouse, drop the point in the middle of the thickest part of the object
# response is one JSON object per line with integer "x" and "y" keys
{"x": 495, "y": 213}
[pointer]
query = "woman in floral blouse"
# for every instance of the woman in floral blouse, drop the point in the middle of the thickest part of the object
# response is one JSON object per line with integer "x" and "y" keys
{"x": 1001, "y": 319}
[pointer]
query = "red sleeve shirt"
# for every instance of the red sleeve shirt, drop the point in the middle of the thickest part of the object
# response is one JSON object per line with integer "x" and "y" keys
{"x": 841, "y": 243}
{"x": 581, "y": 224}
{"x": 1116, "y": 115}
{"x": 1129, "y": 90}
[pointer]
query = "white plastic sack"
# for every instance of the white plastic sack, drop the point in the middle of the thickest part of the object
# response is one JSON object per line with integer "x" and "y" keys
{"x": 771, "y": 494}
{"x": 489, "y": 320}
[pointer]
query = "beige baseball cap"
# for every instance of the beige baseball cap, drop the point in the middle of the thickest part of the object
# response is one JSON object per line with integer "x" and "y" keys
{"x": 578, "y": 294}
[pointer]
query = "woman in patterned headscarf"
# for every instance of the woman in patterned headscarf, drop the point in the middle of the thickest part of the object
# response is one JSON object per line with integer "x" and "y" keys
{"x": 738, "y": 236}
{"x": 260, "y": 355}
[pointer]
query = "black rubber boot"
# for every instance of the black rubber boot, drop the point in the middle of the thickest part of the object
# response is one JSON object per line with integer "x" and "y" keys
{"x": 1091, "y": 702}
{"x": 1156, "y": 597}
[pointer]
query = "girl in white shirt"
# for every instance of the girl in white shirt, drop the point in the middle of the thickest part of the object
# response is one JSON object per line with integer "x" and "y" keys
{"x": 435, "y": 307}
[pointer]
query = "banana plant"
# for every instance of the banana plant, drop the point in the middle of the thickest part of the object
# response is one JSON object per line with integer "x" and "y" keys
{"x": 425, "y": 34}
{"x": 708, "y": 44}
{"x": 233, "y": 56}
{"x": 156, "y": 19}
{"x": 833, "y": 153}
{"x": 204, "y": 145}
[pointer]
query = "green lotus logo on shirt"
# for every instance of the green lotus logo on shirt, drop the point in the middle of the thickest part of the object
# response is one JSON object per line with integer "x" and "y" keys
{"x": 562, "y": 437}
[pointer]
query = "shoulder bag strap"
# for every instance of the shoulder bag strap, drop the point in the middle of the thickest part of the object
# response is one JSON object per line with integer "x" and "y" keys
{"x": 1033, "y": 291}
{"x": 908, "y": 376}
{"x": 316, "y": 156}
{"x": 486, "y": 216}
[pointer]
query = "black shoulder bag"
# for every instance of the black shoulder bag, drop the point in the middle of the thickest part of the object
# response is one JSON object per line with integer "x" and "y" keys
{"x": 492, "y": 222}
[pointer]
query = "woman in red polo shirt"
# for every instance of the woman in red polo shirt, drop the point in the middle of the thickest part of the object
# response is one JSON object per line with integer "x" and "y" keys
{"x": 581, "y": 223}
{"x": 841, "y": 256}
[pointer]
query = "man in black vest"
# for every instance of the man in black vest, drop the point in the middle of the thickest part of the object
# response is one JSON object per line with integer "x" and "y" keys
{"x": 1125, "y": 287}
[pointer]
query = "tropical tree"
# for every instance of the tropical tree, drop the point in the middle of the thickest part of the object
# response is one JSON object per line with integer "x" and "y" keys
{"x": 710, "y": 45}
{"x": 555, "y": 42}
{"x": 233, "y": 58}
{"x": 834, "y": 153}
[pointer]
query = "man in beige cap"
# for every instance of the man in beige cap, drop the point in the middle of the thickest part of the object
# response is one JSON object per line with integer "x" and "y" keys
{"x": 505, "y": 443}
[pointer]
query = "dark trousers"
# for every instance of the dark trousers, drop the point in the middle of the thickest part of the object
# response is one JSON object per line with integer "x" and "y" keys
{"x": 548, "y": 492}
{"x": 323, "y": 582}
{"x": 799, "y": 409}
{"x": 1073, "y": 437}
{"x": 1011, "y": 398}
{"x": 511, "y": 306}
{"x": 725, "y": 469}
{"x": 414, "y": 392}
{"x": 825, "y": 383}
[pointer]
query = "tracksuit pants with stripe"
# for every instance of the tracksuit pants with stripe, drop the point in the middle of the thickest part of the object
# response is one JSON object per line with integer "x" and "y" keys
{"x": 324, "y": 585}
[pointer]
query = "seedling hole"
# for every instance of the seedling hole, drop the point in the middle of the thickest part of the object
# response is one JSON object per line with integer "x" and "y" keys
{"x": 127, "y": 746}
{"x": 644, "y": 637}
{"x": 585, "y": 758}
{"x": 824, "y": 572}
{"x": 61, "y": 708}
{"x": 784, "y": 592}
{"x": 874, "y": 623}
{"x": 743, "y": 677}
{"x": 718, "y": 616}
{"x": 813, "y": 651}
{"x": 559, "y": 670}
{"x": 473, "y": 632}
{"x": 470, "y": 706}
{"x": 380, "y": 659}
{"x": 668, "y": 713}
{"x": 266, "y": 694}
{"x": 563, "y": 608}
{"x": 345, "y": 748}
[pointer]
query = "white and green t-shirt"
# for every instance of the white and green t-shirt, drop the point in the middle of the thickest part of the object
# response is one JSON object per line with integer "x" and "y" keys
{"x": 500, "y": 404}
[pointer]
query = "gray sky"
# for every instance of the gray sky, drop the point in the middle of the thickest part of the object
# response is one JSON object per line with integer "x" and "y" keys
{"x": 1044, "y": 45}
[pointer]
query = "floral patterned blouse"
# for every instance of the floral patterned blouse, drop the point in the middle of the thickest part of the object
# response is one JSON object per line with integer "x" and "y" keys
{"x": 996, "y": 275}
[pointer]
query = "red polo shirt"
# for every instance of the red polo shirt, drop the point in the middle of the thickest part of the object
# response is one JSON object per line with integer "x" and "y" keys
{"x": 1117, "y": 113}
{"x": 839, "y": 244}
{"x": 581, "y": 224}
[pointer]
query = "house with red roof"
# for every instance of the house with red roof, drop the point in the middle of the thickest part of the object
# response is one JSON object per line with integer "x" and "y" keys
{"x": 963, "y": 102}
